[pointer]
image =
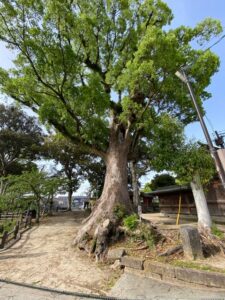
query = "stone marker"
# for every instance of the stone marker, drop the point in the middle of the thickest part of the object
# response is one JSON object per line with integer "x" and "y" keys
{"x": 132, "y": 262}
{"x": 114, "y": 254}
{"x": 191, "y": 242}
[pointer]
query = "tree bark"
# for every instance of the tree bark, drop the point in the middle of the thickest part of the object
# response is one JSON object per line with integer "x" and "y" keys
{"x": 99, "y": 224}
{"x": 135, "y": 188}
{"x": 38, "y": 205}
{"x": 3, "y": 185}
{"x": 70, "y": 193}
{"x": 204, "y": 218}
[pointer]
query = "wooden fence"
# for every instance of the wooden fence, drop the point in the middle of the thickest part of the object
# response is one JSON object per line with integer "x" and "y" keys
{"x": 10, "y": 216}
{"x": 8, "y": 237}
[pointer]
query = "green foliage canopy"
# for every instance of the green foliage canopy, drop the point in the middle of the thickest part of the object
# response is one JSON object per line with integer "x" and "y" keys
{"x": 29, "y": 189}
{"x": 162, "y": 180}
{"x": 20, "y": 140}
{"x": 83, "y": 65}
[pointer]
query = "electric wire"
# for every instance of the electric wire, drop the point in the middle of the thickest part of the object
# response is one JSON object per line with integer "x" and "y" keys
{"x": 214, "y": 44}
{"x": 210, "y": 123}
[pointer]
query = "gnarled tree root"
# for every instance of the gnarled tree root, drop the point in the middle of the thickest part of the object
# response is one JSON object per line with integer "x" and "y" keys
{"x": 96, "y": 242}
{"x": 211, "y": 244}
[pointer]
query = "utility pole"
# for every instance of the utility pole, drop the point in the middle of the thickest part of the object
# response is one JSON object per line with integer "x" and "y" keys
{"x": 183, "y": 77}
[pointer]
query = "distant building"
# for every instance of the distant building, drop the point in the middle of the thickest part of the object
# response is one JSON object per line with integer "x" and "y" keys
{"x": 61, "y": 202}
{"x": 78, "y": 202}
{"x": 168, "y": 198}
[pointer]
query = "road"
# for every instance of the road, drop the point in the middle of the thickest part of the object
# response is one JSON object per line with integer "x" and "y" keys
{"x": 132, "y": 286}
{"x": 14, "y": 292}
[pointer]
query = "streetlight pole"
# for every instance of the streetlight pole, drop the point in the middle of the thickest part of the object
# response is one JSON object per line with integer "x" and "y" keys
{"x": 182, "y": 76}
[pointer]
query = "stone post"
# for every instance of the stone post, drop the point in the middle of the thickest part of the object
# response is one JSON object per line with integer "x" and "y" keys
{"x": 191, "y": 242}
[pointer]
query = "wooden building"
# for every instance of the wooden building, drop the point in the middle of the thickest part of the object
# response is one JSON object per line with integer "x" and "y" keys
{"x": 169, "y": 196}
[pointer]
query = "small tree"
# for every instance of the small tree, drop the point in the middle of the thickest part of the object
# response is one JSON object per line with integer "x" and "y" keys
{"x": 95, "y": 170}
{"x": 193, "y": 163}
{"x": 72, "y": 160}
{"x": 34, "y": 188}
{"x": 20, "y": 141}
{"x": 155, "y": 153}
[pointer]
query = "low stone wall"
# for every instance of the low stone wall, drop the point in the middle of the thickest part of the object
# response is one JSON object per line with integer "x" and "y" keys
{"x": 167, "y": 272}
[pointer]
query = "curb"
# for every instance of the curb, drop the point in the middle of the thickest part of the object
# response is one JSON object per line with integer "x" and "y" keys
{"x": 167, "y": 272}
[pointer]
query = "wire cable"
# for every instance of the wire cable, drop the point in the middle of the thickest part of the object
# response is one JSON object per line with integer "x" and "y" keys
{"x": 217, "y": 42}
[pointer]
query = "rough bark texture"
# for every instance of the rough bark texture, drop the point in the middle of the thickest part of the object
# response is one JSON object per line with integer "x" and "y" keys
{"x": 101, "y": 225}
{"x": 135, "y": 188}
{"x": 38, "y": 211}
{"x": 70, "y": 193}
{"x": 204, "y": 219}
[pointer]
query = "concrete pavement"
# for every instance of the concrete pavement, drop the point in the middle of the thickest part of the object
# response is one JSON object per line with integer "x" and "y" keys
{"x": 132, "y": 286}
{"x": 16, "y": 292}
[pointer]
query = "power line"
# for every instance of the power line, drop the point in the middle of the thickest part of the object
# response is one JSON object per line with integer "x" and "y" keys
{"x": 217, "y": 42}
{"x": 210, "y": 123}
{"x": 185, "y": 67}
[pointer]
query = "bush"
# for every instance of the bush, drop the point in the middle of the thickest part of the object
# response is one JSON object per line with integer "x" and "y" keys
{"x": 8, "y": 225}
{"x": 131, "y": 222}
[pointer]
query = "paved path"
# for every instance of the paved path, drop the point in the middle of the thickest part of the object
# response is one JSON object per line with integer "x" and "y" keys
{"x": 45, "y": 257}
{"x": 137, "y": 287}
{"x": 14, "y": 292}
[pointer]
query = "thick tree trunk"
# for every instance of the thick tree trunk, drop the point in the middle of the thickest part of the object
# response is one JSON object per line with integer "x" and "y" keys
{"x": 135, "y": 188}
{"x": 204, "y": 219}
{"x": 70, "y": 193}
{"x": 101, "y": 223}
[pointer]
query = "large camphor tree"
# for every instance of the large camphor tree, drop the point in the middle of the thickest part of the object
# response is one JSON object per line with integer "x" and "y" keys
{"x": 102, "y": 73}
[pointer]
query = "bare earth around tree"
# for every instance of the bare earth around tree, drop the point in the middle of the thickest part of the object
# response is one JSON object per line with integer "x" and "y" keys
{"x": 45, "y": 256}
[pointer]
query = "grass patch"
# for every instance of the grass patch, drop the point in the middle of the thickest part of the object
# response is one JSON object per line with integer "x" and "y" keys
{"x": 217, "y": 232}
{"x": 194, "y": 265}
{"x": 131, "y": 222}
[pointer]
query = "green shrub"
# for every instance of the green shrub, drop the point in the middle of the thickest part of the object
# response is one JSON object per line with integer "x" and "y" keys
{"x": 217, "y": 232}
{"x": 131, "y": 222}
{"x": 8, "y": 225}
{"x": 119, "y": 211}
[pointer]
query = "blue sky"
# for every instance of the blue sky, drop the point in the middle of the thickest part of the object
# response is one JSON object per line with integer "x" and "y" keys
{"x": 189, "y": 12}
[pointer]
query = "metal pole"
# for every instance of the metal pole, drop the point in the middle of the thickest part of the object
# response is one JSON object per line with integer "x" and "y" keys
{"x": 212, "y": 149}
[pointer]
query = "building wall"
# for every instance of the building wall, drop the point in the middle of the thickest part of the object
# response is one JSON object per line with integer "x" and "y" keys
{"x": 146, "y": 204}
{"x": 169, "y": 203}
{"x": 215, "y": 196}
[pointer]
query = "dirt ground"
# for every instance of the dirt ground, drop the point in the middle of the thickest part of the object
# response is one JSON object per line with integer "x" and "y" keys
{"x": 45, "y": 256}
{"x": 167, "y": 226}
